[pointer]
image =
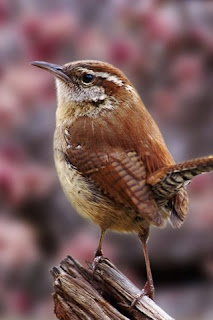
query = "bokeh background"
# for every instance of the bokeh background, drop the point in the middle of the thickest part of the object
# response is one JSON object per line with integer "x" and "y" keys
{"x": 166, "y": 49}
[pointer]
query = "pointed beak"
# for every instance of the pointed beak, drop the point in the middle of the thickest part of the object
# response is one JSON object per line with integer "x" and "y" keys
{"x": 56, "y": 70}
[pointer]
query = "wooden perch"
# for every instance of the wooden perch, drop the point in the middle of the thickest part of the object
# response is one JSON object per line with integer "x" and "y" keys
{"x": 105, "y": 295}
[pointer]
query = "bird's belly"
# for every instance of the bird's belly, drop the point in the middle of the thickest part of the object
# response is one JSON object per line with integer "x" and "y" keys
{"x": 92, "y": 204}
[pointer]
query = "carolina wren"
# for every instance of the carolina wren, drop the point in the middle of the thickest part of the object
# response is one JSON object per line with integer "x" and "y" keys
{"x": 111, "y": 159}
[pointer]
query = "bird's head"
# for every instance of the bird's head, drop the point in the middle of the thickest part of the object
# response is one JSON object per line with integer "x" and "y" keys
{"x": 89, "y": 88}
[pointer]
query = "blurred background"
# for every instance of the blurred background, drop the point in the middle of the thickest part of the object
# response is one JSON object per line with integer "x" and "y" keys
{"x": 166, "y": 49}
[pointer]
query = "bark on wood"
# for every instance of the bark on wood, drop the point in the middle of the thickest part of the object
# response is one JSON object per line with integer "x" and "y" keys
{"x": 104, "y": 295}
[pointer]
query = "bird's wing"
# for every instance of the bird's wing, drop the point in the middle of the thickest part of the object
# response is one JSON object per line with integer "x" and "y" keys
{"x": 120, "y": 175}
{"x": 167, "y": 181}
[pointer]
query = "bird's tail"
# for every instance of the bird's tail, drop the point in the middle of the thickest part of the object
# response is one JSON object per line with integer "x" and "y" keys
{"x": 169, "y": 180}
{"x": 168, "y": 185}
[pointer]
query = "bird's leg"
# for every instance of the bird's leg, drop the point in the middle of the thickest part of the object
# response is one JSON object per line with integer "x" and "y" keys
{"x": 148, "y": 289}
{"x": 98, "y": 251}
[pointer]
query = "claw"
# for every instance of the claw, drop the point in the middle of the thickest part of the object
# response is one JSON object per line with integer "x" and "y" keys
{"x": 95, "y": 263}
{"x": 148, "y": 291}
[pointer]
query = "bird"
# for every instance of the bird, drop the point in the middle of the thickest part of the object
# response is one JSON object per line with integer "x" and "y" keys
{"x": 111, "y": 159}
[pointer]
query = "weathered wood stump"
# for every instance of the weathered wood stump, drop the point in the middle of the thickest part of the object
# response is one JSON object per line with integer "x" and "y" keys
{"x": 107, "y": 294}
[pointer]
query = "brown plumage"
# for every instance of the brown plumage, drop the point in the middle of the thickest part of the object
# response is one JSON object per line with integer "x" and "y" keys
{"x": 111, "y": 158}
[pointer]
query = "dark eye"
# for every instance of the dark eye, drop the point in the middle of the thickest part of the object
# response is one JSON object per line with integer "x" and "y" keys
{"x": 87, "y": 78}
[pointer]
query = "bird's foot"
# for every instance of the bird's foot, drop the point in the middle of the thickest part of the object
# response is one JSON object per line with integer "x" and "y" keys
{"x": 98, "y": 258}
{"x": 96, "y": 262}
{"x": 148, "y": 291}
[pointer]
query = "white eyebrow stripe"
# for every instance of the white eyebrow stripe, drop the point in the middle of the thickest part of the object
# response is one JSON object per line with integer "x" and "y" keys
{"x": 104, "y": 75}
{"x": 115, "y": 80}
{"x": 109, "y": 77}
{"x": 129, "y": 88}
